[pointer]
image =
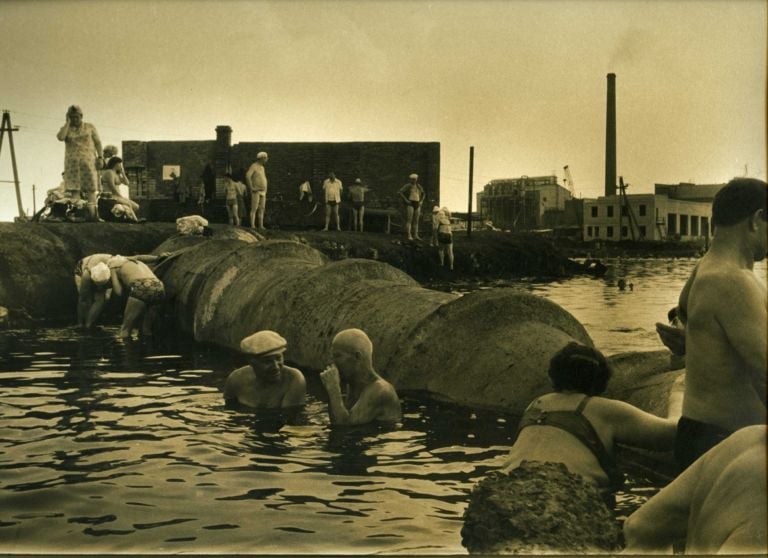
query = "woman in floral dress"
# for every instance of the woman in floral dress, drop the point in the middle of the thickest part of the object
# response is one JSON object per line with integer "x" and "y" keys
{"x": 82, "y": 158}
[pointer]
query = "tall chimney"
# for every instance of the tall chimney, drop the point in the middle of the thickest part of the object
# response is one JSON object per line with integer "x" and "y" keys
{"x": 610, "y": 138}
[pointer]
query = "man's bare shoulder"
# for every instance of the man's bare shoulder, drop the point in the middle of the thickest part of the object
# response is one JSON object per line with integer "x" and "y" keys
{"x": 293, "y": 374}
{"x": 239, "y": 374}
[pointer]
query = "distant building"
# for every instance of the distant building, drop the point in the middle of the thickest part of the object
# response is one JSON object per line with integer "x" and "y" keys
{"x": 383, "y": 166}
{"x": 523, "y": 203}
{"x": 673, "y": 212}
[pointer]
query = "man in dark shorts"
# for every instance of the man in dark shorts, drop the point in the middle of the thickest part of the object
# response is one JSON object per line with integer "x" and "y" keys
{"x": 413, "y": 196}
{"x": 357, "y": 194}
{"x": 724, "y": 309}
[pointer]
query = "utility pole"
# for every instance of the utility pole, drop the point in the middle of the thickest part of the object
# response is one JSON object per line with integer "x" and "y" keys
{"x": 7, "y": 127}
{"x": 471, "y": 170}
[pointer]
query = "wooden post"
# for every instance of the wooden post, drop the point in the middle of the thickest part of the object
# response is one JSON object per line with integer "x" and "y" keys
{"x": 6, "y": 127}
{"x": 471, "y": 170}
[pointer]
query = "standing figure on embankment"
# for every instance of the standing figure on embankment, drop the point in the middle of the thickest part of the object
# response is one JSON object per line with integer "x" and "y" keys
{"x": 413, "y": 196}
{"x": 357, "y": 196}
{"x": 562, "y": 465}
{"x": 266, "y": 382}
{"x": 717, "y": 505}
{"x": 723, "y": 306}
{"x": 332, "y": 188}
{"x": 256, "y": 178}
{"x": 445, "y": 237}
{"x": 369, "y": 398}
{"x": 82, "y": 158}
{"x": 145, "y": 292}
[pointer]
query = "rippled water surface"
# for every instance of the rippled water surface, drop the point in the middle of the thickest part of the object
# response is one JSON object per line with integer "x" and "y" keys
{"x": 110, "y": 446}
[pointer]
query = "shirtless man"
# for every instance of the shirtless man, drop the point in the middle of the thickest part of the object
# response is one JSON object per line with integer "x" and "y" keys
{"x": 718, "y": 504}
{"x": 256, "y": 178}
{"x": 369, "y": 396}
{"x": 723, "y": 306}
{"x": 145, "y": 292}
{"x": 413, "y": 196}
{"x": 266, "y": 382}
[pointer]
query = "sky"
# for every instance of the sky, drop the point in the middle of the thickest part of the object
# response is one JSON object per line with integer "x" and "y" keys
{"x": 523, "y": 81}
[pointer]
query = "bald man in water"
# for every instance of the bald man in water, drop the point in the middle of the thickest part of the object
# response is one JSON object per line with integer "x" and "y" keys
{"x": 718, "y": 504}
{"x": 724, "y": 308}
{"x": 370, "y": 398}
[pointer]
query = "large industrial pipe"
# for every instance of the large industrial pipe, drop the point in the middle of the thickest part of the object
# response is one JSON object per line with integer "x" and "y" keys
{"x": 610, "y": 138}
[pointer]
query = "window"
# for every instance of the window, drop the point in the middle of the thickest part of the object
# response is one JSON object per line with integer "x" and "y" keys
{"x": 593, "y": 209}
{"x": 641, "y": 210}
{"x": 671, "y": 223}
{"x": 589, "y": 231}
{"x": 642, "y": 231}
{"x": 624, "y": 211}
{"x": 624, "y": 232}
{"x": 597, "y": 232}
{"x": 694, "y": 225}
{"x": 705, "y": 226}
{"x": 609, "y": 210}
{"x": 609, "y": 232}
{"x": 683, "y": 225}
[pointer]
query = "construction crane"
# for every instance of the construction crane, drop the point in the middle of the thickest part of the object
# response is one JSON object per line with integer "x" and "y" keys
{"x": 569, "y": 180}
{"x": 626, "y": 209}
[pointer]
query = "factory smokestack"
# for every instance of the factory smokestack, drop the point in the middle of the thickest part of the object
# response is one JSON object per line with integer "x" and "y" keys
{"x": 610, "y": 138}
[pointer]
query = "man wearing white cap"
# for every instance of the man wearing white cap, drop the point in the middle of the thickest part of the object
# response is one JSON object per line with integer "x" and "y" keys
{"x": 266, "y": 382}
{"x": 256, "y": 178}
{"x": 413, "y": 196}
{"x": 369, "y": 397}
{"x": 332, "y": 188}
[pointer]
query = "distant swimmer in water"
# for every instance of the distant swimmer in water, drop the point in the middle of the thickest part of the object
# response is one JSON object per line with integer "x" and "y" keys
{"x": 723, "y": 306}
{"x": 369, "y": 398}
{"x": 718, "y": 505}
{"x": 265, "y": 382}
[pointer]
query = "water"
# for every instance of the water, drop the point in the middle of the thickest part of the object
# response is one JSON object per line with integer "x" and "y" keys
{"x": 110, "y": 447}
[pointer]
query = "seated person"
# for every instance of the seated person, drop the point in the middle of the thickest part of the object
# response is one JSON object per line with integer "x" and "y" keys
{"x": 575, "y": 426}
{"x": 266, "y": 382}
{"x": 110, "y": 185}
{"x": 145, "y": 292}
{"x": 369, "y": 397}
{"x": 718, "y": 504}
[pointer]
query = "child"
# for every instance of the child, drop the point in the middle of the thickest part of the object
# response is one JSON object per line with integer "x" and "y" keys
{"x": 445, "y": 237}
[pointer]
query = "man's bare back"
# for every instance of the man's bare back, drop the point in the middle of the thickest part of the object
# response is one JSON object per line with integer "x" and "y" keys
{"x": 725, "y": 344}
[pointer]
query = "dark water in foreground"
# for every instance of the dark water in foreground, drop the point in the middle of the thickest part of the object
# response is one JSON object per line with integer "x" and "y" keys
{"x": 114, "y": 447}
{"x": 120, "y": 447}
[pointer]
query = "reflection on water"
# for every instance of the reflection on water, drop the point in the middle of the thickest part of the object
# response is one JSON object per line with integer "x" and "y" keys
{"x": 109, "y": 446}
{"x": 617, "y": 320}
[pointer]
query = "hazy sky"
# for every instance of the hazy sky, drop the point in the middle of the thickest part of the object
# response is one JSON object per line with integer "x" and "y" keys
{"x": 522, "y": 81}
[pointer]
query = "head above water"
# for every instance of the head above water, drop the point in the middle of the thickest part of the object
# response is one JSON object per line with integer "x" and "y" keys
{"x": 352, "y": 351}
{"x": 579, "y": 368}
{"x": 263, "y": 343}
{"x": 738, "y": 200}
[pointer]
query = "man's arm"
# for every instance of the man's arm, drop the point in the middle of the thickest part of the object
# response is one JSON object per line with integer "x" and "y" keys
{"x": 249, "y": 176}
{"x": 663, "y": 519}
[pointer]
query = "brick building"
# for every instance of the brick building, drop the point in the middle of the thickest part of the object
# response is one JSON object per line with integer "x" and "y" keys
{"x": 383, "y": 166}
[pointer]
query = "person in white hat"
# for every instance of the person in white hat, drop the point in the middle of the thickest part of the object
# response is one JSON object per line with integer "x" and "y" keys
{"x": 265, "y": 382}
{"x": 413, "y": 196}
{"x": 370, "y": 398}
{"x": 357, "y": 195}
{"x": 256, "y": 178}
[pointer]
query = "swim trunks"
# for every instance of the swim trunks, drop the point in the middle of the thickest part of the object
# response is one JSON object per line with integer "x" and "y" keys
{"x": 445, "y": 238}
{"x": 694, "y": 439}
{"x": 575, "y": 423}
{"x": 331, "y": 202}
{"x": 357, "y": 204}
{"x": 414, "y": 203}
{"x": 149, "y": 290}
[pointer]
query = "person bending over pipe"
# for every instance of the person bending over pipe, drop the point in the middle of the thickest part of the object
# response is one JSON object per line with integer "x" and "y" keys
{"x": 265, "y": 382}
{"x": 145, "y": 293}
{"x": 369, "y": 398}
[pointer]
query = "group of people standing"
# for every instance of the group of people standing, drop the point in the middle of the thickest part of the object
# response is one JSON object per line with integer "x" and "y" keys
{"x": 92, "y": 177}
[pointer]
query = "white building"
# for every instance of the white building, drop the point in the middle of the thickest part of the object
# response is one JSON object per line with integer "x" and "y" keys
{"x": 656, "y": 217}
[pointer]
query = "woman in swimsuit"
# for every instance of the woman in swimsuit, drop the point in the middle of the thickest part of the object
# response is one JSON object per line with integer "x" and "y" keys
{"x": 562, "y": 463}
{"x": 575, "y": 426}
